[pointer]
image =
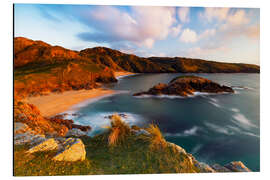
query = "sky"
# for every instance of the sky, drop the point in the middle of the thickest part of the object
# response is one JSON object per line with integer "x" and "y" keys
{"x": 218, "y": 34}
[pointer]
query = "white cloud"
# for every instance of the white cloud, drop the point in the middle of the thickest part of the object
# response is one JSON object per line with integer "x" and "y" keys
{"x": 189, "y": 36}
{"x": 183, "y": 14}
{"x": 142, "y": 26}
{"x": 215, "y": 13}
{"x": 207, "y": 33}
{"x": 238, "y": 18}
{"x": 176, "y": 30}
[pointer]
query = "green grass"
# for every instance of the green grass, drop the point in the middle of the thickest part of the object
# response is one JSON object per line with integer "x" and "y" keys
{"x": 132, "y": 157}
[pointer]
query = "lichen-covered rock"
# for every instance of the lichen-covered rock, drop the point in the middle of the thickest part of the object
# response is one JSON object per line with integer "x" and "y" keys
{"x": 237, "y": 166}
{"x": 23, "y": 135}
{"x": 47, "y": 145}
{"x": 76, "y": 133}
{"x": 219, "y": 168}
{"x": 73, "y": 150}
{"x": 177, "y": 148}
{"x": 204, "y": 168}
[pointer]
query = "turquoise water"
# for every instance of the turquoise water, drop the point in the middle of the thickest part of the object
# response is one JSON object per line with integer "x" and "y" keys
{"x": 214, "y": 128}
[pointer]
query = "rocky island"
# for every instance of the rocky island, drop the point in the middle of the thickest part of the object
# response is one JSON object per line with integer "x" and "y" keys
{"x": 186, "y": 86}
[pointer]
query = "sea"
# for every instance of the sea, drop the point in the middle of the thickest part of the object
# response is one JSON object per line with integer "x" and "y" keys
{"x": 214, "y": 128}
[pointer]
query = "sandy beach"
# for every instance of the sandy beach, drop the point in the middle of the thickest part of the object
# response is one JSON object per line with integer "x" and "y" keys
{"x": 56, "y": 103}
{"x": 122, "y": 73}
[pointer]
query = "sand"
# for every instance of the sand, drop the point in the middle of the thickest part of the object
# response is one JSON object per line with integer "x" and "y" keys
{"x": 55, "y": 103}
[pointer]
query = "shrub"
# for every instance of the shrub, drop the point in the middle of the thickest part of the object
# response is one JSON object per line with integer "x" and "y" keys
{"x": 119, "y": 130}
{"x": 157, "y": 140}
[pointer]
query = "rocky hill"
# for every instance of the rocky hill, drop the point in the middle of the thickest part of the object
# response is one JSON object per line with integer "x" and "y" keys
{"x": 185, "y": 86}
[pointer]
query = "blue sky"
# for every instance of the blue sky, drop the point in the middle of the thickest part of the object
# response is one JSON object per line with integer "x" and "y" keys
{"x": 220, "y": 34}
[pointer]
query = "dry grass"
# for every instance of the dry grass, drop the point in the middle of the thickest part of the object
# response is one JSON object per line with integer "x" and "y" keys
{"x": 118, "y": 131}
{"x": 157, "y": 140}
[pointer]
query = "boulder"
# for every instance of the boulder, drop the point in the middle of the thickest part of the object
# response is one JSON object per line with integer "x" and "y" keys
{"x": 204, "y": 168}
{"x": 47, "y": 145}
{"x": 219, "y": 168}
{"x": 237, "y": 166}
{"x": 72, "y": 150}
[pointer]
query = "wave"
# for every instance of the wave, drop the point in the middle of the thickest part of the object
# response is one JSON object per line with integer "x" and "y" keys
{"x": 195, "y": 94}
{"x": 124, "y": 76}
{"x": 218, "y": 129}
{"x": 238, "y": 130}
{"x": 189, "y": 132}
{"x": 240, "y": 118}
{"x": 241, "y": 87}
{"x": 99, "y": 121}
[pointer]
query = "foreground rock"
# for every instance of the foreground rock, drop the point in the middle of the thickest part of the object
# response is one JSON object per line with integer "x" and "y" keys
{"x": 72, "y": 150}
{"x": 237, "y": 166}
{"x": 47, "y": 145}
{"x": 185, "y": 86}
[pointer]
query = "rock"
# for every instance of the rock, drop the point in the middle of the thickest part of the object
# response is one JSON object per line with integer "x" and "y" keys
{"x": 237, "y": 166}
{"x": 185, "y": 86}
{"x": 204, "y": 168}
{"x": 220, "y": 168}
{"x": 47, "y": 145}
{"x": 176, "y": 147}
{"x": 76, "y": 133}
{"x": 73, "y": 150}
{"x": 23, "y": 135}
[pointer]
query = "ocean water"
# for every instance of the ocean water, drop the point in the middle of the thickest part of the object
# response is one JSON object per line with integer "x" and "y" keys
{"x": 214, "y": 128}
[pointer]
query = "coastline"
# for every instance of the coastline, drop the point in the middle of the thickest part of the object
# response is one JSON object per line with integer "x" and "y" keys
{"x": 55, "y": 103}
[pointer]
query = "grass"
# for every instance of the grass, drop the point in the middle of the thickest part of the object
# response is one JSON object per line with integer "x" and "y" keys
{"x": 134, "y": 155}
{"x": 119, "y": 130}
{"x": 156, "y": 138}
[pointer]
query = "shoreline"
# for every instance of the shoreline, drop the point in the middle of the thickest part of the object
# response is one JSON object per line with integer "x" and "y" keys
{"x": 56, "y": 103}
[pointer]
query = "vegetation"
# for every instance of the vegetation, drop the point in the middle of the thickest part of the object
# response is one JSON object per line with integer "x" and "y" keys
{"x": 134, "y": 155}
{"x": 119, "y": 130}
{"x": 156, "y": 139}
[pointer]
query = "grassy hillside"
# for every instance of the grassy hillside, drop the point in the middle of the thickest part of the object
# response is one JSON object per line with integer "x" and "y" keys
{"x": 120, "y": 150}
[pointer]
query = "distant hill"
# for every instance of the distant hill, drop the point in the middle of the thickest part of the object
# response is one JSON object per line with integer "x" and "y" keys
{"x": 27, "y": 51}
{"x": 43, "y": 68}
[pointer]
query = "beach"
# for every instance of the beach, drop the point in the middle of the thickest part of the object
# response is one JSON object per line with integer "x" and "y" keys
{"x": 55, "y": 103}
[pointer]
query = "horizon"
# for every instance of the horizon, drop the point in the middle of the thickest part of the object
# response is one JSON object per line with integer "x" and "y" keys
{"x": 213, "y": 34}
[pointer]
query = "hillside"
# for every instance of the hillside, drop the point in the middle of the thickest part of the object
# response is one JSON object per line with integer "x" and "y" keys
{"x": 40, "y": 68}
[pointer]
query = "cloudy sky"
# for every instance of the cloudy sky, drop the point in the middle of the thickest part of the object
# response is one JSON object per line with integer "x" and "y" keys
{"x": 220, "y": 34}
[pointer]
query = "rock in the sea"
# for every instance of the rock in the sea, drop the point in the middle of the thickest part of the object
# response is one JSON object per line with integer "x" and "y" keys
{"x": 47, "y": 145}
{"x": 73, "y": 150}
{"x": 76, "y": 133}
{"x": 219, "y": 168}
{"x": 185, "y": 86}
{"x": 237, "y": 166}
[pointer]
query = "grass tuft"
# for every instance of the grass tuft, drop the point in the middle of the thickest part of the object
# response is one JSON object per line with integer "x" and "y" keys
{"x": 119, "y": 130}
{"x": 157, "y": 140}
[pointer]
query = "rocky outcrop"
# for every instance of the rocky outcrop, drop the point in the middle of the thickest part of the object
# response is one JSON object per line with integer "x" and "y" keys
{"x": 186, "y": 86}
{"x": 72, "y": 150}
{"x": 219, "y": 168}
{"x": 46, "y": 145}
{"x": 237, "y": 166}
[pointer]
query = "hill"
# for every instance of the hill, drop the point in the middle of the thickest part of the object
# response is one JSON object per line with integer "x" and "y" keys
{"x": 42, "y": 68}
